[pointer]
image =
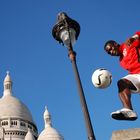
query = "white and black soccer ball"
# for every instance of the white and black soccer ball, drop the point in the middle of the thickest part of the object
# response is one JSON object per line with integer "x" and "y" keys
{"x": 101, "y": 78}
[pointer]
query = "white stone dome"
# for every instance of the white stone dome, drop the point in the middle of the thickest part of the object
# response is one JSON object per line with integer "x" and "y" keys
{"x": 29, "y": 135}
{"x": 49, "y": 133}
{"x": 15, "y": 117}
{"x": 11, "y": 107}
{"x": 14, "y": 108}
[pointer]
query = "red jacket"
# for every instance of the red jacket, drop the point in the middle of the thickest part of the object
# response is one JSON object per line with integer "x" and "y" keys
{"x": 129, "y": 56}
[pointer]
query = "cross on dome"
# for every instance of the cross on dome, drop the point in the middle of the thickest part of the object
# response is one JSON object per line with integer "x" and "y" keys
{"x": 7, "y": 72}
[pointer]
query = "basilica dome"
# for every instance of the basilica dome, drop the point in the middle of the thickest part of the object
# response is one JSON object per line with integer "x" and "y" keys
{"x": 29, "y": 135}
{"x": 49, "y": 133}
{"x": 11, "y": 106}
{"x": 15, "y": 117}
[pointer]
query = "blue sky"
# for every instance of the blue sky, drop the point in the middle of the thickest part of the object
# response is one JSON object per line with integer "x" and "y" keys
{"x": 42, "y": 72}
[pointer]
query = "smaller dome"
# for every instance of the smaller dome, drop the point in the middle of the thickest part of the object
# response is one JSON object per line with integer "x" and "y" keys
{"x": 49, "y": 133}
{"x": 29, "y": 135}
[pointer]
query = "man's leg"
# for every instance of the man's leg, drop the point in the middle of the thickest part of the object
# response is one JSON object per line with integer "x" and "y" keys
{"x": 124, "y": 87}
{"x": 127, "y": 113}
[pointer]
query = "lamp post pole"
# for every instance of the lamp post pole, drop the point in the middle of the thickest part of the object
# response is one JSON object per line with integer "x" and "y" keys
{"x": 72, "y": 56}
{"x": 64, "y": 25}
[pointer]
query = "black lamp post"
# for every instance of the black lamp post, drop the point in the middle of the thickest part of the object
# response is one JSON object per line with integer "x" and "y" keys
{"x": 66, "y": 31}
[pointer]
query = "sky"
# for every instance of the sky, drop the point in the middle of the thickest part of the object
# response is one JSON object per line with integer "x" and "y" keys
{"x": 42, "y": 73}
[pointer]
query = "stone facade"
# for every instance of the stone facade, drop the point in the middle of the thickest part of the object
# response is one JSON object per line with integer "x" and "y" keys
{"x": 128, "y": 134}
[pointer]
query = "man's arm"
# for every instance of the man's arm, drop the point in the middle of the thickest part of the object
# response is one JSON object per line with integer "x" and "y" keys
{"x": 136, "y": 35}
{"x": 130, "y": 40}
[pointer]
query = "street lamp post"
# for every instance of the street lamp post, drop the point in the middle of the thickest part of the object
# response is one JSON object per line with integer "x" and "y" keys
{"x": 66, "y": 31}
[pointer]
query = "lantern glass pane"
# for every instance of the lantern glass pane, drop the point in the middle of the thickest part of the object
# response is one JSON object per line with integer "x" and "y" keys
{"x": 68, "y": 36}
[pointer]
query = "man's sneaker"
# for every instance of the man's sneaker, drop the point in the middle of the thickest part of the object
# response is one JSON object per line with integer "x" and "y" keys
{"x": 124, "y": 114}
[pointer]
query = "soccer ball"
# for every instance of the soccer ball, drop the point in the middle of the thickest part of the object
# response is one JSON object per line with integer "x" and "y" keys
{"x": 101, "y": 78}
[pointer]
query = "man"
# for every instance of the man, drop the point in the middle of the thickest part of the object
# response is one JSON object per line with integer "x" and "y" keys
{"x": 129, "y": 54}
